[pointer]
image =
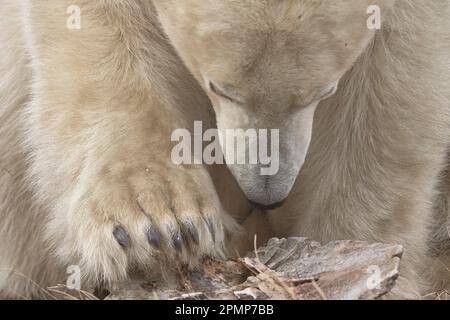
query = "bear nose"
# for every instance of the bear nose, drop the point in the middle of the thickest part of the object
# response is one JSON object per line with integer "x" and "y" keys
{"x": 264, "y": 207}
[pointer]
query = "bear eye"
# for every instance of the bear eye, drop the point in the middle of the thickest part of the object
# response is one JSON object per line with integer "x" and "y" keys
{"x": 219, "y": 92}
{"x": 329, "y": 91}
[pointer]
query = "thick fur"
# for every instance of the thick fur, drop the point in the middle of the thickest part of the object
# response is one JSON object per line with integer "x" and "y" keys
{"x": 385, "y": 137}
{"x": 85, "y": 123}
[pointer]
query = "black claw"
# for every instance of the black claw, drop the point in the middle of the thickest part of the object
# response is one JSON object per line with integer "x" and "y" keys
{"x": 122, "y": 236}
{"x": 154, "y": 237}
{"x": 193, "y": 232}
{"x": 211, "y": 228}
{"x": 177, "y": 239}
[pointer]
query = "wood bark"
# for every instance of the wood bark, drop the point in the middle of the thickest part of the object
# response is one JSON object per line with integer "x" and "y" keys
{"x": 293, "y": 268}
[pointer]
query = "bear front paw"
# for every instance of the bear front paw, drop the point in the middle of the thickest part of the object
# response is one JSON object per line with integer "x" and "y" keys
{"x": 142, "y": 220}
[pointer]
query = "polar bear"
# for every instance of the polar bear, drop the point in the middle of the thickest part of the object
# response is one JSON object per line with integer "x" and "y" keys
{"x": 87, "y": 112}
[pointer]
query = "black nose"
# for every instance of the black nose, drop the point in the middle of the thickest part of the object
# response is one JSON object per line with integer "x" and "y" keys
{"x": 268, "y": 207}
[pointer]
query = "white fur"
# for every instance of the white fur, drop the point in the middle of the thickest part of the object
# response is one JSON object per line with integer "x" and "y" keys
{"x": 86, "y": 118}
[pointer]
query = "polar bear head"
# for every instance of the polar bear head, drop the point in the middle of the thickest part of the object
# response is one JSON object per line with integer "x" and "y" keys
{"x": 267, "y": 64}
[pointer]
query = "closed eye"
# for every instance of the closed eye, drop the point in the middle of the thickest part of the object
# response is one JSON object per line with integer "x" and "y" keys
{"x": 328, "y": 92}
{"x": 220, "y": 93}
{"x": 325, "y": 93}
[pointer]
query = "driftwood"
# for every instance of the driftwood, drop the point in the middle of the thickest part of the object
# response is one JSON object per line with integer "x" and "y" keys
{"x": 293, "y": 268}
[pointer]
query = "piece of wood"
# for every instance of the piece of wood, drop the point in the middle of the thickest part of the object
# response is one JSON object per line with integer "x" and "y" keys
{"x": 293, "y": 268}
